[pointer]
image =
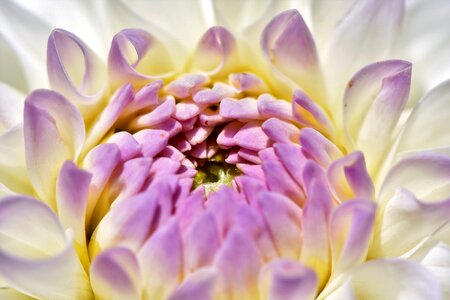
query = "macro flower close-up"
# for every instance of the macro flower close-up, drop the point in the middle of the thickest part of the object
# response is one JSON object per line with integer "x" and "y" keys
{"x": 225, "y": 150}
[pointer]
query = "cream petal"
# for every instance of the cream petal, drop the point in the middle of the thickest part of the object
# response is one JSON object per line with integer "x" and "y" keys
{"x": 13, "y": 169}
{"x": 393, "y": 235}
{"x": 372, "y": 25}
{"x": 11, "y": 107}
{"x": 22, "y": 48}
{"x": 51, "y": 125}
{"x": 36, "y": 256}
{"x": 432, "y": 112}
{"x": 115, "y": 274}
{"x": 427, "y": 175}
{"x": 437, "y": 259}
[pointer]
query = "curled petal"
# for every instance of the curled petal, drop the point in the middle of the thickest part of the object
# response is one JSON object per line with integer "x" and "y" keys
{"x": 36, "y": 256}
{"x": 161, "y": 261}
{"x": 351, "y": 228}
{"x": 216, "y": 52}
{"x": 349, "y": 178}
{"x": 319, "y": 148}
{"x": 115, "y": 274}
{"x": 373, "y": 102}
{"x": 137, "y": 57}
{"x": 289, "y": 47}
{"x": 393, "y": 235}
{"x": 75, "y": 71}
{"x": 288, "y": 280}
{"x": 51, "y": 125}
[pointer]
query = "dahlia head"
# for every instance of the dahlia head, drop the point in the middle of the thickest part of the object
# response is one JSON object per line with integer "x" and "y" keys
{"x": 287, "y": 152}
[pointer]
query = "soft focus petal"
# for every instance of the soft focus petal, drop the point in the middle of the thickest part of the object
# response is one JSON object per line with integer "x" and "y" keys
{"x": 51, "y": 125}
{"x": 115, "y": 274}
{"x": 288, "y": 280}
{"x": 198, "y": 286}
{"x": 36, "y": 256}
{"x": 11, "y": 107}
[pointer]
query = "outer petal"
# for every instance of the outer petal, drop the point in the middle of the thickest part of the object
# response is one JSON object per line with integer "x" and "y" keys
{"x": 432, "y": 112}
{"x": 75, "y": 71}
{"x": 288, "y": 280}
{"x": 427, "y": 175}
{"x": 351, "y": 228}
{"x": 160, "y": 259}
{"x": 393, "y": 235}
{"x": 115, "y": 274}
{"x": 289, "y": 47}
{"x": 46, "y": 265}
{"x": 373, "y": 102}
{"x": 137, "y": 57}
{"x": 11, "y": 107}
{"x": 373, "y": 26}
{"x": 51, "y": 125}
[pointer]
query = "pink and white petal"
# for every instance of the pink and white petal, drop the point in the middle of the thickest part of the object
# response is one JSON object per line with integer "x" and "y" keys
{"x": 287, "y": 280}
{"x": 128, "y": 146}
{"x": 351, "y": 226}
{"x": 237, "y": 265}
{"x": 216, "y": 52}
{"x": 251, "y": 136}
{"x": 121, "y": 98}
{"x": 51, "y": 125}
{"x": 100, "y": 162}
{"x": 281, "y": 131}
{"x": 427, "y": 175}
{"x": 138, "y": 58}
{"x": 348, "y": 178}
{"x": 158, "y": 115}
{"x": 72, "y": 188}
{"x": 373, "y": 102}
{"x": 317, "y": 147}
{"x": 393, "y": 236}
{"x": 152, "y": 141}
{"x": 160, "y": 259}
{"x": 115, "y": 274}
{"x": 289, "y": 48}
{"x": 431, "y": 112}
{"x": 308, "y": 113}
{"x": 268, "y": 107}
{"x": 243, "y": 109}
{"x": 36, "y": 255}
{"x": 247, "y": 82}
{"x": 75, "y": 71}
{"x": 282, "y": 225}
{"x": 200, "y": 242}
{"x": 315, "y": 249}
{"x": 127, "y": 224}
{"x": 197, "y": 286}
{"x": 372, "y": 25}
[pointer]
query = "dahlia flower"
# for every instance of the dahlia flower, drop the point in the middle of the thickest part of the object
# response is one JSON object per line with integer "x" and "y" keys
{"x": 224, "y": 150}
